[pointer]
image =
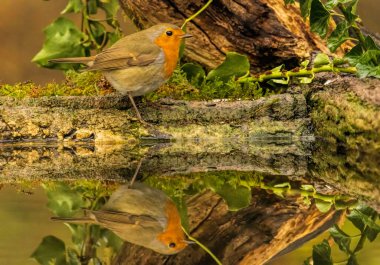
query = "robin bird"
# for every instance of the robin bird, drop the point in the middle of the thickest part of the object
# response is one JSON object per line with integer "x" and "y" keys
{"x": 138, "y": 63}
{"x": 140, "y": 215}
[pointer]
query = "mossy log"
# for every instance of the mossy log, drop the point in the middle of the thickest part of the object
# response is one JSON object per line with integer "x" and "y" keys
{"x": 269, "y": 32}
{"x": 270, "y": 226}
{"x": 111, "y": 120}
{"x": 28, "y": 162}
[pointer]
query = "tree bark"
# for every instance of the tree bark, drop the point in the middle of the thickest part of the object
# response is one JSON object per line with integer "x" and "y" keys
{"x": 267, "y": 31}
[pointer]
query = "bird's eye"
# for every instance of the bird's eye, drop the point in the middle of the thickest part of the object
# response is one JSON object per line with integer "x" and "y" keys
{"x": 172, "y": 245}
{"x": 169, "y": 33}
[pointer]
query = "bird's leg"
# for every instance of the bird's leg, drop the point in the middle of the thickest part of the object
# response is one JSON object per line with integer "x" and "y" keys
{"x": 135, "y": 107}
{"x": 135, "y": 174}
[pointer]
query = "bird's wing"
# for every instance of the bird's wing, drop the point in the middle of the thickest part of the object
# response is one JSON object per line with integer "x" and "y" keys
{"x": 106, "y": 216}
{"x": 126, "y": 54}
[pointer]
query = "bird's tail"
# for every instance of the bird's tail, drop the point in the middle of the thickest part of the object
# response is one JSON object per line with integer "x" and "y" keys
{"x": 84, "y": 60}
{"x": 87, "y": 218}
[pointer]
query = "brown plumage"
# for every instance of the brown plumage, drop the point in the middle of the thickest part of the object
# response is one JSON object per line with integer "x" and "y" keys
{"x": 138, "y": 63}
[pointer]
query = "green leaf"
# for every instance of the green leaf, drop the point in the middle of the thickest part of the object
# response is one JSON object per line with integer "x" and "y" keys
{"x": 305, "y": 80}
{"x": 362, "y": 216}
{"x": 194, "y": 72}
{"x": 73, "y": 257}
{"x": 283, "y": 185}
{"x": 341, "y": 238}
{"x": 305, "y": 64}
{"x": 321, "y": 59}
{"x": 323, "y": 206}
{"x": 322, "y": 254}
{"x": 278, "y": 69}
{"x": 370, "y": 44}
{"x": 62, "y": 200}
{"x": 73, "y": 6}
{"x": 110, "y": 7}
{"x": 235, "y": 64}
{"x": 331, "y": 4}
{"x": 92, "y": 7}
{"x": 339, "y": 61}
{"x": 305, "y": 6}
{"x": 62, "y": 39}
{"x": 354, "y": 54}
{"x": 352, "y": 260}
{"x": 319, "y": 18}
{"x": 308, "y": 187}
{"x": 371, "y": 234}
{"x": 50, "y": 251}
{"x": 365, "y": 70}
{"x": 279, "y": 81}
{"x": 236, "y": 198}
{"x": 338, "y": 36}
{"x": 113, "y": 37}
{"x": 98, "y": 31}
{"x": 111, "y": 240}
{"x": 350, "y": 11}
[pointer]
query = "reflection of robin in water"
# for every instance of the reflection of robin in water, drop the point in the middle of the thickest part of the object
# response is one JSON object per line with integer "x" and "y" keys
{"x": 141, "y": 215}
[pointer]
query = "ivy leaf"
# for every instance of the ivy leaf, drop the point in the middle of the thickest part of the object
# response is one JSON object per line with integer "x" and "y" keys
{"x": 74, "y": 6}
{"x": 50, "y": 251}
{"x": 235, "y": 64}
{"x": 98, "y": 31}
{"x": 278, "y": 69}
{"x": 92, "y": 7}
{"x": 62, "y": 200}
{"x": 194, "y": 72}
{"x": 110, "y": 7}
{"x": 323, "y": 206}
{"x": 319, "y": 18}
{"x": 62, "y": 39}
{"x": 352, "y": 260}
{"x": 304, "y": 64}
{"x": 341, "y": 238}
{"x": 365, "y": 70}
{"x": 305, "y": 6}
{"x": 366, "y": 59}
{"x": 354, "y": 54}
{"x": 236, "y": 198}
{"x": 322, "y": 254}
{"x": 338, "y": 36}
{"x": 362, "y": 217}
{"x": 308, "y": 187}
{"x": 350, "y": 11}
{"x": 321, "y": 59}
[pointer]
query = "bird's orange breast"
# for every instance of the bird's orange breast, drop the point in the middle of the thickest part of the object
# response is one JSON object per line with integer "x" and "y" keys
{"x": 171, "y": 53}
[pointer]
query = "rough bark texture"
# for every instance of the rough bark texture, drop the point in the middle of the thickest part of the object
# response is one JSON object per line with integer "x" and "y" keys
{"x": 269, "y": 32}
{"x": 269, "y": 226}
{"x": 117, "y": 162}
{"x": 104, "y": 119}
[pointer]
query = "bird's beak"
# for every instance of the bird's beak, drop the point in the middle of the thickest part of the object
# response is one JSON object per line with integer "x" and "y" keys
{"x": 185, "y": 36}
{"x": 189, "y": 242}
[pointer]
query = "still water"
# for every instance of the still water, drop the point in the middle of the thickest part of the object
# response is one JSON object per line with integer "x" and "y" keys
{"x": 254, "y": 202}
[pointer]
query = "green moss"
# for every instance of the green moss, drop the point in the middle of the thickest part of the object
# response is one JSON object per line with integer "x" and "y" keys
{"x": 344, "y": 118}
{"x": 178, "y": 87}
{"x": 76, "y": 84}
